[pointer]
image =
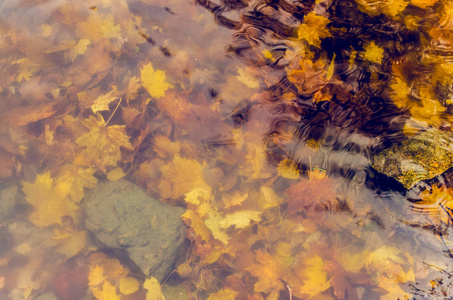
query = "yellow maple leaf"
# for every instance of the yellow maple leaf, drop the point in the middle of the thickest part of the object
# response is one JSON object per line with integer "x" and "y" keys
{"x": 213, "y": 223}
{"x": 193, "y": 219}
{"x": 181, "y": 176}
{"x": 128, "y": 285}
{"x": 269, "y": 272}
{"x": 46, "y": 30}
{"x": 316, "y": 277}
{"x": 97, "y": 27}
{"x": 102, "y": 144}
{"x": 77, "y": 178}
{"x": 78, "y": 49}
{"x": 49, "y": 201}
{"x": 436, "y": 204}
{"x": 400, "y": 92}
{"x": 96, "y": 275}
{"x": 103, "y": 101}
{"x": 198, "y": 196}
{"x": 287, "y": 168}
{"x": 389, "y": 7}
{"x": 26, "y": 69}
{"x": 108, "y": 28}
{"x": 223, "y": 294}
{"x": 313, "y": 29}
{"x": 154, "y": 81}
{"x": 373, "y": 53}
{"x": 153, "y": 287}
{"x": 108, "y": 292}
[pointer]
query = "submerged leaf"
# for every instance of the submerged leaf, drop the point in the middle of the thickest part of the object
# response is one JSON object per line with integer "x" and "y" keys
{"x": 154, "y": 81}
{"x": 313, "y": 29}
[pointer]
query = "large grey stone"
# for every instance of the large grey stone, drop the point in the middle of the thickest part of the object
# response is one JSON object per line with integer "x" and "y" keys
{"x": 122, "y": 216}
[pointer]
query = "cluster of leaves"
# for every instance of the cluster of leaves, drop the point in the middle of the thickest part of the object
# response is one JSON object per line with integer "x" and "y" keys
{"x": 93, "y": 96}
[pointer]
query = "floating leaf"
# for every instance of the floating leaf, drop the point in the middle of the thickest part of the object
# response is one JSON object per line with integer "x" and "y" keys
{"x": 314, "y": 29}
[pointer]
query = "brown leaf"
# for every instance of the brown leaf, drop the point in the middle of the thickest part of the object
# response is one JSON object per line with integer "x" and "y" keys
{"x": 312, "y": 195}
{"x": 28, "y": 114}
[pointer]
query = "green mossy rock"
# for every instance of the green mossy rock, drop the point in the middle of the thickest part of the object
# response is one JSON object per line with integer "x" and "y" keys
{"x": 122, "y": 216}
{"x": 421, "y": 157}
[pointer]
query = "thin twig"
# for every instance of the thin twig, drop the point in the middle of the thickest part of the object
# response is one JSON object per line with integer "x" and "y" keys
{"x": 119, "y": 102}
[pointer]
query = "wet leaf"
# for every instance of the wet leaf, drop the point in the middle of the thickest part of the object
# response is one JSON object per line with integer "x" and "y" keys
{"x": 69, "y": 242}
{"x": 223, "y": 294}
{"x": 96, "y": 276}
{"x": 108, "y": 292}
{"x": 154, "y": 290}
{"x": 316, "y": 281}
{"x": 102, "y": 143}
{"x": 49, "y": 201}
{"x": 268, "y": 271}
{"x": 240, "y": 219}
{"x": 128, "y": 285}
{"x": 180, "y": 176}
{"x": 373, "y": 53}
{"x": 103, "y": 101}
{"x": 154, "y": 81}
{"x": 314, "y": 29}
{"x": 28, "y": 114}
{"x": 313, "y": 195}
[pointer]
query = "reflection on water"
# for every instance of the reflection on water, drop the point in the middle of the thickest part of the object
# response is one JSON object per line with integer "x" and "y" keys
{"x": 263, "y": 120}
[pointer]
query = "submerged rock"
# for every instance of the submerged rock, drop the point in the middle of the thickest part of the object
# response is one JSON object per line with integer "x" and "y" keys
{"x": 7, "y": 201}
{"x": 421, "y": 157}
{"x": 122, "y": 216}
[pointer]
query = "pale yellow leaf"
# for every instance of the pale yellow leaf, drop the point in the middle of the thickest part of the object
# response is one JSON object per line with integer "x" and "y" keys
{"x": 128, "y": 285}
{"x": 213, "y": 223}
{"x": 154, "y": 289}
{"x": 115, "y": 174}
{"x": 287, "y": 168}
{"x": 240, "y": 219}
{"x": 313, "y": 29}
{"x": 223, "y": 294}
{"x": 96, "y": 275}
{"x": 103, "y": 101}
{"x": 108, "y": 292}
{"x": 154, "y": 81}
{"x": 78, "y": 49}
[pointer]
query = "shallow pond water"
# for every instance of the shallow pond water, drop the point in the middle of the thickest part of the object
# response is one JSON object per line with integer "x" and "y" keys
{"x": 302, "y": 146}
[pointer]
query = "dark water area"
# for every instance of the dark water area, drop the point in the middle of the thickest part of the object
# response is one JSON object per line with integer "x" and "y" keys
{"x": 298, "y": 150}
